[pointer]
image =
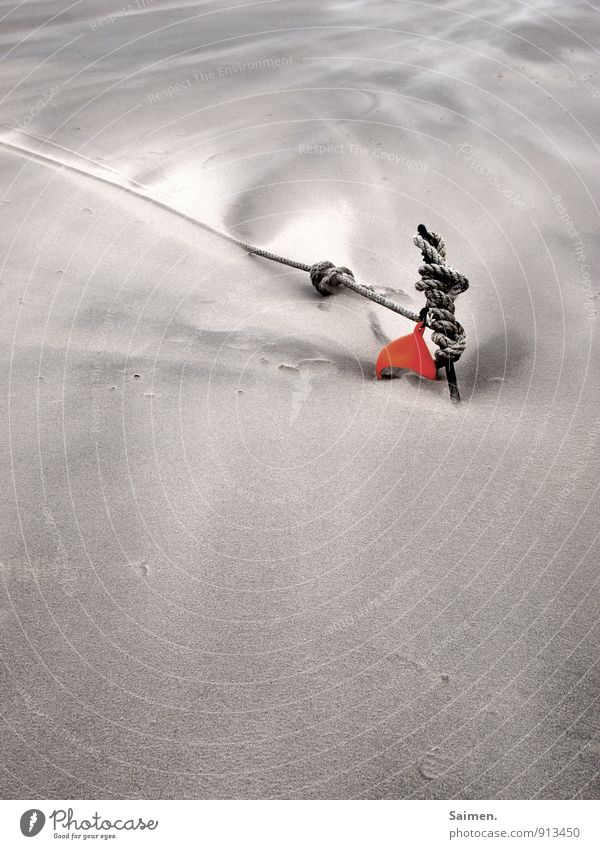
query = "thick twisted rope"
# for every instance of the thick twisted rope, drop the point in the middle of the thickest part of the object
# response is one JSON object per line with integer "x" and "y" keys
{"x": 441, "y": 285}
{"x": 331, "y": 275}
{"x": 449, "y": 334}
{"x": 326, "y": 277}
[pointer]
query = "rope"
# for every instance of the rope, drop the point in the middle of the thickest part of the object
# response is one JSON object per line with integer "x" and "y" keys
{"x": 441, "y": 285}
{"x": 325, "y": 276}
{"x": 302, "y": 266}
{"x": 439, "y": 277}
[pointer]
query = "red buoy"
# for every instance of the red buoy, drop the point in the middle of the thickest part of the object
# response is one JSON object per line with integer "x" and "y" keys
{"x": 408, "y": 352}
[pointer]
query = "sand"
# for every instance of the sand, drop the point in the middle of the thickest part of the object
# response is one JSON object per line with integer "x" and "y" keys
{"x": 233, "y": 563}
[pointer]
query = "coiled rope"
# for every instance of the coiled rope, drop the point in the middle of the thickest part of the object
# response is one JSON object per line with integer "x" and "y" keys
{"x": 441, "y": 285}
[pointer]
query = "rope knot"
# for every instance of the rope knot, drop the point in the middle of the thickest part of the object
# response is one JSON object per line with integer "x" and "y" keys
{"x": 326, "y": 277}
{"x": 441, "y": 284}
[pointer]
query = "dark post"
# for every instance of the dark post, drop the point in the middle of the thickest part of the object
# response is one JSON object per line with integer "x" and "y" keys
{"x": 430, "y": 274}
{"x": 452, "y": 383}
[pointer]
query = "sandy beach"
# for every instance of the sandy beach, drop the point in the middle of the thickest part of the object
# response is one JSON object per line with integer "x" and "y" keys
{"x": 233, "y": 563}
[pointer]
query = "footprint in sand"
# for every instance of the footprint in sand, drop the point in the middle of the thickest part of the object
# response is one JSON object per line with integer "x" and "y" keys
{"x": 304, "y": 373}
{"x": 242, "y": 341}
{"x": 141, "y": 566}
{"x": 433, "y": 763}
{"x": 391, "y": 293}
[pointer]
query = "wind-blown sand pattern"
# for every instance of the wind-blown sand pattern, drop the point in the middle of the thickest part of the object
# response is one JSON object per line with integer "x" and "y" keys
{"x": 233, "y": 563}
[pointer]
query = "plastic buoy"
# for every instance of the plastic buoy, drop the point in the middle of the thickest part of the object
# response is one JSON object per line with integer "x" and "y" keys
{"x": 408, "y": 352}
